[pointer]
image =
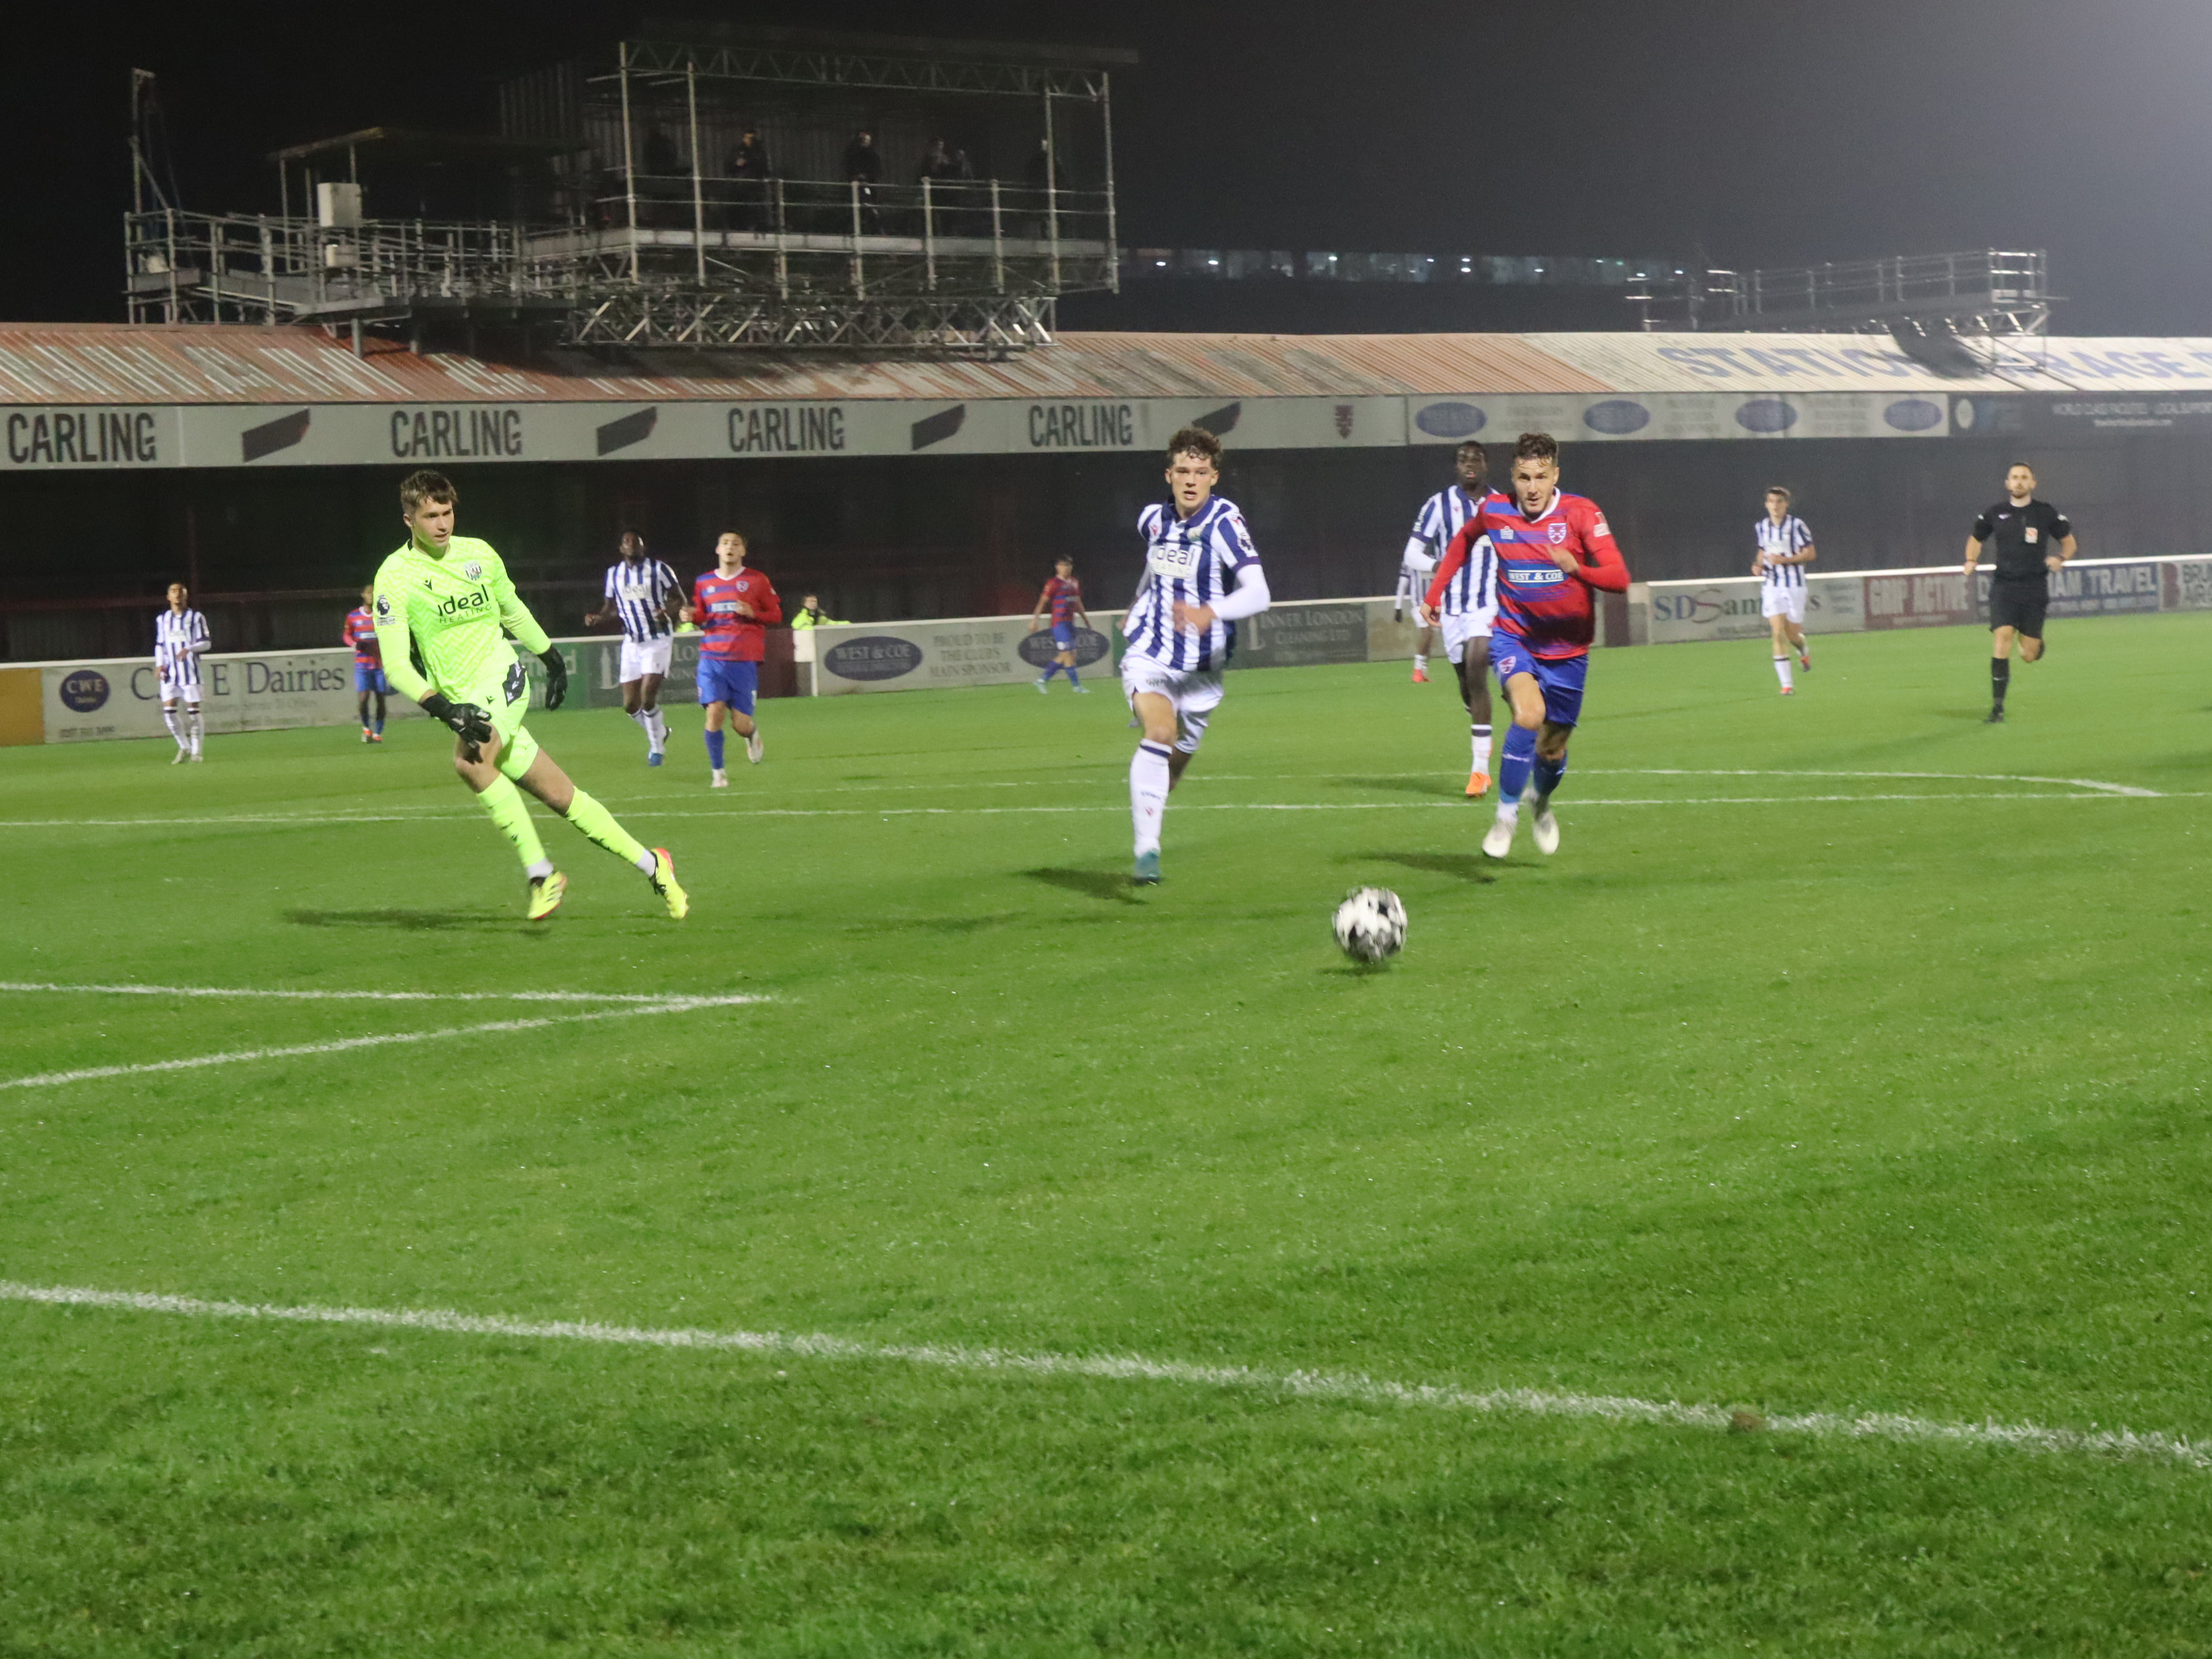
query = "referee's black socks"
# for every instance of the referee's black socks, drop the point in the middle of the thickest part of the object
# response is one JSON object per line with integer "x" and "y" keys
{"x": 2000, "y": 678}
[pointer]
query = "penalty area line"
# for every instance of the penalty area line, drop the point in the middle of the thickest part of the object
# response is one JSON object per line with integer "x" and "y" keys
{"x": 1347, "y": 1387}
{"x": 243, "y": 1056}
{"x": 642, "y": 997}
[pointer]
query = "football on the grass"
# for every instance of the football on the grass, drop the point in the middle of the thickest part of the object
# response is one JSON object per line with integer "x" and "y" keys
{"x": 1370, "y": 924}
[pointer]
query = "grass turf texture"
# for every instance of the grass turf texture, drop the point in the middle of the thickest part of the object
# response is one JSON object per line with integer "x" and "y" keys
{"x": 1858, "y": 1105}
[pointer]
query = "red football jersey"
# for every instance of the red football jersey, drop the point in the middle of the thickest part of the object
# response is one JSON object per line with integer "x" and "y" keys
{"x": 360, "y": 633}
{"x": 730, "y": 635}
{"x": 1551, "y": 612}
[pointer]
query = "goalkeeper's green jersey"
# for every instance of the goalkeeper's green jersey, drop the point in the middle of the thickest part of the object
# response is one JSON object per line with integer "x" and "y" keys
{"x": 442, "y": 622}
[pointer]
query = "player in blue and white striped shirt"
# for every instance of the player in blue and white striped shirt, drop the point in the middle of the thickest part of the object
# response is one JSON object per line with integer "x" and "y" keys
{"x": 1785, "y": 548}
{"x": 642, "y": 592}
{"x": 1470, "y": 601}
{"x": 180, "y": 635}
{"x": 1202, "y": 576}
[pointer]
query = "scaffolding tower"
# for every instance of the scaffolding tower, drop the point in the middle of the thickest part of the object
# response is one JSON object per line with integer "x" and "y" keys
{"x": 710, "y": 188}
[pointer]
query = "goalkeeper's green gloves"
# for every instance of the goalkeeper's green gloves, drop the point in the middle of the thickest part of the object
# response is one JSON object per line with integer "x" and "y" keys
{"x": 557, "y": 676}
{"x": 471, "y": 724}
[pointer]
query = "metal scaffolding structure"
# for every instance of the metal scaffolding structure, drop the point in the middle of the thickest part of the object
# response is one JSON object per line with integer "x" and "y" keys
{"x": 626, "y": 232}
{"x": 1984, "y": 292}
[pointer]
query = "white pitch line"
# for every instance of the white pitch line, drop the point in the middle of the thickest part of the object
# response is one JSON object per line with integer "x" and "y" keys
{"x": 346, "y": 996}
{"x": 241, "y": 1056}
{"x": 1345, "y": 1386}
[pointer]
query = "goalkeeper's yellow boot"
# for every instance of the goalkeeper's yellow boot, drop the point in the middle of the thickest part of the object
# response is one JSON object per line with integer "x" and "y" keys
{"x": 663, "y": 882}
{"x": 545, "y": 894}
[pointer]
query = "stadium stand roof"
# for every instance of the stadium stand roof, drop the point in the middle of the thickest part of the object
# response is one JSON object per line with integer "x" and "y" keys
{"x": 1102, "y": 390}
{"x": 118, "y": 363}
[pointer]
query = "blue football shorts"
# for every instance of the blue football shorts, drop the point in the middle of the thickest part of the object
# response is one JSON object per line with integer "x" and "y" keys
{"x": 1560, "y": 678}
{"x": 366, "y": 679}
{"x": 732, "y": 683}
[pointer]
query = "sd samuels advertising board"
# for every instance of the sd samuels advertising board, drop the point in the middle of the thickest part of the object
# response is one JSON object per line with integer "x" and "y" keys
{"x": 1730, "y": 609}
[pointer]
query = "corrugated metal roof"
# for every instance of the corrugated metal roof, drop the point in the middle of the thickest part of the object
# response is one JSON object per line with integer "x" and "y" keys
{"x": 117, "y": 363}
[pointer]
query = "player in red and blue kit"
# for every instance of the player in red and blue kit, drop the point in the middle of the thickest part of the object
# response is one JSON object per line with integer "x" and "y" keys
{"x": 1063, "y": 597}
{"x": 1554, "y": 552}
{"x": 732, "y": 606}
{"x": 369, "y": 681}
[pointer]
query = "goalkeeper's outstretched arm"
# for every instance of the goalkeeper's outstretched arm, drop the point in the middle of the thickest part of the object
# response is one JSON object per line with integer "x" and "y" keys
{"x": 397, "y": 642}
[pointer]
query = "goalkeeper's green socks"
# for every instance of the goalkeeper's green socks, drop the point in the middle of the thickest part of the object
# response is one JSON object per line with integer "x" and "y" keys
{"x": 511, "y": 814}
{"x": 599, "y": 824}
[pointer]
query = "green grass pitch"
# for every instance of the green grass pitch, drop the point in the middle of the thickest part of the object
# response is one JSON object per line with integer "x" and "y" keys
{"x": 1834, "y": 1065}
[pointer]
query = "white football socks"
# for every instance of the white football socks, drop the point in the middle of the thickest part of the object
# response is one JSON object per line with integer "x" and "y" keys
{"x": 172, "y": 718}
{"x": 656, "y": 729}
{"x": 1480, "y": 737}
{"x": 1148, "y": 794}
{"x": 195, "y": 725}
{"x": 1782, "y": 671}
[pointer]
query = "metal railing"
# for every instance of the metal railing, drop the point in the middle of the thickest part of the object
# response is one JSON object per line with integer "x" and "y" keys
{"x": 1982, "y": 291}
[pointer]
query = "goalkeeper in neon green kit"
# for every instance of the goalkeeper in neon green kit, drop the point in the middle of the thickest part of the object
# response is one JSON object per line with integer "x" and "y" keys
{"x": 444, "y": 607}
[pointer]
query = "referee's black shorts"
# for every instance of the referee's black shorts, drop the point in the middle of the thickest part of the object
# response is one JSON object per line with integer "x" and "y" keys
{"x": 2020, "y": 605}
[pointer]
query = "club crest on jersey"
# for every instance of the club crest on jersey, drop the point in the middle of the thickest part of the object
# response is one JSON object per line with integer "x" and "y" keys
{"x": 473, "y": 571}
{"x": 1556, "y": 533}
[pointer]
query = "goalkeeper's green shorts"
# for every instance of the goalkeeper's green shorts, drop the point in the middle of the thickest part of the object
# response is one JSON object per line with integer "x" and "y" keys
{"x": 507, "y": 702}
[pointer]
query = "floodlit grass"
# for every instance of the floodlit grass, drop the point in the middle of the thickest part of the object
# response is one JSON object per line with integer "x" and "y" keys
{"x": 1778, "y": 1092}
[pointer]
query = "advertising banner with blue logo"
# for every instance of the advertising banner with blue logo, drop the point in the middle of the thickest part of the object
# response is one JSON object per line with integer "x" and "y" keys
{"x": 1678, "y": 416}
{"x": 927, "y": 655}
{"x": 262, "y": 692}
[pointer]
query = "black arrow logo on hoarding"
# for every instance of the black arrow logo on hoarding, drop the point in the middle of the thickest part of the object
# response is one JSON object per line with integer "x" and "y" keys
{"x": 936, "y": 428}
{"x": 629, "y": 429}
{"x": 1222, "y": 420}
{"x": 271, "y": 436}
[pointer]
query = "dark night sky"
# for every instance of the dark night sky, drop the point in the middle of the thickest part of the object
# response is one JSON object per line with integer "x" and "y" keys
{"x": 1768, "y": 133}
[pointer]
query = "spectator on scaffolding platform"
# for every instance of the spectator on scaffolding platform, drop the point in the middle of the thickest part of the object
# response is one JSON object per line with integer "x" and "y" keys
{"x": 863, "y": 167}
{"x": 752, "y": 194}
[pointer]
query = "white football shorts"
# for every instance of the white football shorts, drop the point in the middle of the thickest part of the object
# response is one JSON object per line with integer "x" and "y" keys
{"x": 172, "y": 692}
{"x": 650, "y": 657}
{"x": 1459, "y": 629}
{"x": 1784, "y": 602}
{"x": 1195, "y": 693}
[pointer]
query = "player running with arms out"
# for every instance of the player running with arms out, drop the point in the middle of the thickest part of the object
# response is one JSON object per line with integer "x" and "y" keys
{"x": 2034, "y": 540}
{"x": 1201, "y": 577}
{"x": 443, "y": 609}
{"x": 1470, "y": 605}
{"x": 1555, "y": 551}
{"x": 732, "y": 606}
{"x": 1785, "y": 548}
{"x": 181, "y": 638}
{"x": 369, "y": 682}
{"x": 1063, "y": 597}
{"x": 641, "y": 593}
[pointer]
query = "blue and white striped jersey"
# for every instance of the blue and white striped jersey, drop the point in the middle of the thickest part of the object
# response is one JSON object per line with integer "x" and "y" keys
{"x": 1195, "y": 561}
{"x": 643, "y": 594}
{"x": 179, "y": 637}
{"x": 1474, "y": 589}
{"x": 1784, "y": 540}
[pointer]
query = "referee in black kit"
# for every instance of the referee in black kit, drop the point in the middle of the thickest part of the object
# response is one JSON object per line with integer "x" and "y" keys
{"x": 2033, "y": 540}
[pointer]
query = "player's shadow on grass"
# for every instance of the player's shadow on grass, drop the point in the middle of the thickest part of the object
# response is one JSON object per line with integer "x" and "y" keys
{"x": 1463, "y": 867}
{"x": 1091, "y": 883}
{"x": 411, "y": 921}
